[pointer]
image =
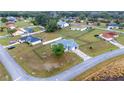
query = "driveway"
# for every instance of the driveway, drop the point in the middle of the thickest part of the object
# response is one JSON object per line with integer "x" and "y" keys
{"x": 81, "y": 54}
{"x": 114, "y": 42}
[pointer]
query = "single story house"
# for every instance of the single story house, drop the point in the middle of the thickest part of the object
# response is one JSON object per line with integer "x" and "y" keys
{"x": 30, "y": 39}
{"x": 62, "y": 24}
{"x": 68, "y": 44}
{"x": 28, "y": 30}
{"x": 20, "y": 31}
{"x": 11, "y": 19}
{"x": 112, "y": 25}
{"x": 10, "y": 25}
{"x": 108, "y": 35}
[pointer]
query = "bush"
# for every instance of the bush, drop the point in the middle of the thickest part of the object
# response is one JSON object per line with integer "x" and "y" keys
{"x": 58, "y": 49}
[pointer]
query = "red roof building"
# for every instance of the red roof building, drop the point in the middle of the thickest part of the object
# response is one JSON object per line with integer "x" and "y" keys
{"x": 109, "y": 35}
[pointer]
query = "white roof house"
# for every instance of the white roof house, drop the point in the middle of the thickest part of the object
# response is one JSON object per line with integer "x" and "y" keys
{"x": 69, "y": 44}
{"x": 62, "y": 24}
{"x": 112, "y": 25}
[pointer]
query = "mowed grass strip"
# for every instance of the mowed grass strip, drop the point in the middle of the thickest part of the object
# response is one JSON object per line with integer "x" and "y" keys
{"x": 47, "y": 36}
{"x": 5, "y": 41}
{"x": 4, "y": 76}
{"x": 120, "y": 39}
{"x": 22, "y": 24}
{"x": 110, "y": 69}
{"x": 39, "y": 60}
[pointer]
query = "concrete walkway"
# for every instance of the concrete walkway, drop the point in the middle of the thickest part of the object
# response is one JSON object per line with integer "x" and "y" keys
{"x": 81, "y": 54}
{"x": 114, "y": 42}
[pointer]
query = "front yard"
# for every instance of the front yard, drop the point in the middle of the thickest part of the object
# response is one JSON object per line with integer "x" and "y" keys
{"x": 39, "y": 60}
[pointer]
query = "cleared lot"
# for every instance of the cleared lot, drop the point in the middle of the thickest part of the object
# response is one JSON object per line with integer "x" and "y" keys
{"x": 39, "y": 61}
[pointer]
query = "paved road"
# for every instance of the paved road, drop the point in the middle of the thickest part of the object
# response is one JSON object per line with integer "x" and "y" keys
{"x": 17, "y": 73}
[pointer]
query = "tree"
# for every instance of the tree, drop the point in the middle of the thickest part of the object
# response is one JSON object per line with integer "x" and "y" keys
{"x": 4, "y": 20}
{"x": 34, "y": 22}
{"x": 11, "y": 31}
{"x": 58, "y": 49}
{"x": 51, "y": 25}
{"x": 42, "y": 19}
{"x": 98, "y": 24}
{"x": 2, "y": 28}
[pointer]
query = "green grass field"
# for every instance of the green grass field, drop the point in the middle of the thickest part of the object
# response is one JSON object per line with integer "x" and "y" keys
{"x": 87, "y": 39}
{"x": 120, "y": 39}
{"x": 6, "y": 41}
{"x": 22, "y": 24}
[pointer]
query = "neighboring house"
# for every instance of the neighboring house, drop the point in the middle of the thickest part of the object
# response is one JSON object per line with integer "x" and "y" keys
{"x": 68, "y": 44}
{"x": 10, "y": 25}
{"x": 28, "y": 30}
{"x": 108, "y": 35}
{"x": 11, "y": 19}
{"x": 30, "y": 39}
{"x": 19, "y": 31}
{"x": 79, "y": 29}
{"x": 62, "y": 24}
{"x": 112, "y": 25}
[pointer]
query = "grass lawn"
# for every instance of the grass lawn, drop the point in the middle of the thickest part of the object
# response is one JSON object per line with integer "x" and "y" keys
{"x": 5, "y": 41}
{"x": 122, "y": 30}
{"x": 39, "y": 60}
{"x": 47, "y": 36}
{"x": 102, "y": 25}
{"x": 22, "y": 24}
{"x": 3, "y": 33}
{"x": 84, "y": 39}
{"x": 36, "y": 29}
{"x": 4, "y": 76}
{"x": 120, "y": 39}
{"x": 108, "y": 70}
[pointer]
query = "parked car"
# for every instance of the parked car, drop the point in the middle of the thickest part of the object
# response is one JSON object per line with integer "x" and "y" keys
{"x": 11, "y": 47}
